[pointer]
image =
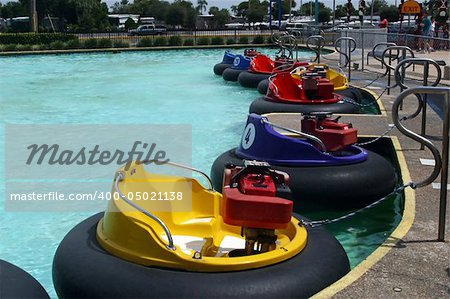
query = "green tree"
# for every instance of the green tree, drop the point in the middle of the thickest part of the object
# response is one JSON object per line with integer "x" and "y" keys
{"x": 201, "y": 6}
{"x": 175, "y": 15}
{"x": 241, "y": 9}
{"x": 324, "y": 15}
{"x": 340, "y": 11}
{"x": 390, "y": 13}
{"x": 234, "y": 9}
{"x": 130, "y": 24}
{"x": 90, "y": 14}
{"x": 437, "y": 10}
{"x": 285, "y": 9}
{"x": 121, "y": 7}
{"x": 377, "y": 6}
{"x": 252, "y": 10}
{"x": 308, "y": 8}
{"x": 221, "y": 17}
{"x": 15, "y": 9}
{"x": 150, "y": 8}
{"x": 181, "y": 13}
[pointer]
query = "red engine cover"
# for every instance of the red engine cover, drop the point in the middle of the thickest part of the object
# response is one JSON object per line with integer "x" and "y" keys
{"x": 257, "y": 184}
{"x": 325, "y": 88}
{"x": 336, "y": 136}
{"x": 255, "y": 210}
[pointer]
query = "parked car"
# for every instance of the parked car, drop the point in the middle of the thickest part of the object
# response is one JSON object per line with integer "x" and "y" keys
{"x": 148, "y": 30}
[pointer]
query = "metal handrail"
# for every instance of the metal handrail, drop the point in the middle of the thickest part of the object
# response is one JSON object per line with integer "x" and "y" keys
{"x": 389, "y": 67}
{"x": 271, "y": 83}
{"x": 119, "y": 177}
{"x": 348, "y": 57}
{"x": 400, "y": 77}
{"x": 404, "y": 49}
{"x": 287, "y": 42}
{"x": 388, "y": 44}
{"x": 307, "y": 136}
{"x": 298, "y": 69}
{"x": 276, "y": 36}
{"x": 441, "y": 164}
{"x": 319, "y": 45}
{"x": 281, "y": 67}
{"x": 426, "y": 62}
{"x": 351, "y": 49}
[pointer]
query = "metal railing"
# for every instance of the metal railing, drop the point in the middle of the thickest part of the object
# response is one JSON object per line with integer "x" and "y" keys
{"x": 317, "y": 46}
{"x": 401, "y": 53}
{"x": 400, "y": 72}
{"x": 299, "y": 133}
{"x": 441, "y": 163}
{"x": 346, "y": 51}
{"x": 230, "y": 36}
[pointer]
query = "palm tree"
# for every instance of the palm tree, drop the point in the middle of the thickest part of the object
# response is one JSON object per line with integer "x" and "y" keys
{"x": 201, "y": 5}
{"x": 234, "y": 9}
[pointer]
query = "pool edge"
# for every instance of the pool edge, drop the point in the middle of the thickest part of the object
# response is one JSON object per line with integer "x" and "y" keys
{"x": 400, "y": 231}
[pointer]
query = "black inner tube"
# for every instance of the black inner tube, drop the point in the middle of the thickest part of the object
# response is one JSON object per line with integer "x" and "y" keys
{"x": 82, "y": 269}
{"x": 263, "y": 105}
{"x": 16, "y": 283}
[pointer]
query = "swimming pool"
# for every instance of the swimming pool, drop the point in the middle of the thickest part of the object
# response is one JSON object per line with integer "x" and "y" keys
{"x": 161, "y": 87}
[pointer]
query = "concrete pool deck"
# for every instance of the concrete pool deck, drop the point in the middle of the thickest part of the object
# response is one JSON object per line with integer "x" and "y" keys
{"x": 411, "y": 263}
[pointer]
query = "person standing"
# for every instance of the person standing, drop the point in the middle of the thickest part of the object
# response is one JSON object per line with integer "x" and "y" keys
{"x": 432, "y": 33}
{"x": 383, "y": 24}
{"x": 426, "y": 26}
{"x": 446, "y": 35}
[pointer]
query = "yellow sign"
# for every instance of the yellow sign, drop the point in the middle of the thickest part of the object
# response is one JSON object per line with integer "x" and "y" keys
{"x": 410, "y": 7}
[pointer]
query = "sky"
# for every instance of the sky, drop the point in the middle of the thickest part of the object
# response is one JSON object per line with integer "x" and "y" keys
{"x": 228, "y": 3}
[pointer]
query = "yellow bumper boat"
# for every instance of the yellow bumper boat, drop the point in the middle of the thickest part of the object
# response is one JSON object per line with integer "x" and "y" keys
{"x": 196, "y": 242}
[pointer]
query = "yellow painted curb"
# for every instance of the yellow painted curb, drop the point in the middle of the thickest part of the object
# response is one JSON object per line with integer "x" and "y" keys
{"x": 401, "y": 230}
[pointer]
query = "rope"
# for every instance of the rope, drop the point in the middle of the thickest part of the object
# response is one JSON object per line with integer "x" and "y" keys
{"x": 384, "y": 134}
{"x": 373, "y": 81}
{"x": 376, "y": 139}
{"x": 318, "y": 223}
{"x": 365, "y": 105}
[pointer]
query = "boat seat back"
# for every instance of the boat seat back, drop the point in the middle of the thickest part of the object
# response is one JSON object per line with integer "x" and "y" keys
{"x": 262, "y": 64}
{"x": 286, "y": 85}
{"x": 228, "y": 57}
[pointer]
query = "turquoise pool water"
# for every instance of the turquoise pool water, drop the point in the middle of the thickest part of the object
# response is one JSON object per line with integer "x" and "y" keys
{"x": 166, "y": 87}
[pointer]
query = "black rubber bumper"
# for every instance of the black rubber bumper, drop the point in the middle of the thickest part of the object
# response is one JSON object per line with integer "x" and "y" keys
{"x": 82, "y": 269}
{"x": 251, "y": 80}
{"x": 231, "y": 74}
{"x": 263, "y": 86}
{"x": 262, "y": 105}
{"x": 220, "y": 67}
{"x": 16, "y": 283}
